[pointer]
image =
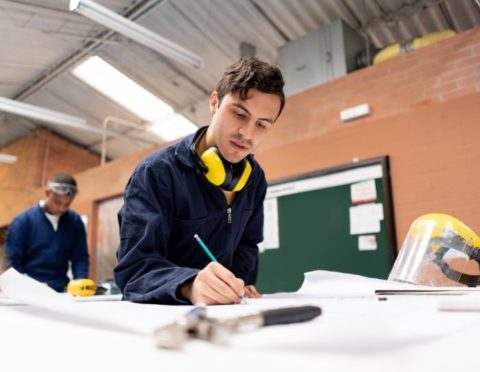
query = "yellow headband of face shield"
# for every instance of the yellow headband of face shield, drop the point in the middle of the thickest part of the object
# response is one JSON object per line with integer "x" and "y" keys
{"x": 447, "y": 225}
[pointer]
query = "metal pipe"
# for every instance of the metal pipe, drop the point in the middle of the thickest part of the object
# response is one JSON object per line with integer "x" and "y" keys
{"x": 108, "y": 119}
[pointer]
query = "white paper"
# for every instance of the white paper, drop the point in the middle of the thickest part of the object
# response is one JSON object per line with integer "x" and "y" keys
{"x": 469, "y": 302}
{"x": 96, "y": 298}
{"x": 26, "y": 290}
{"x": 118, "y": 316}
{"x": 270, "y": 226}
{"x": 367, "y": 243}
{"x": 335, "y": 284}
{"x": 365, "y": 219}
{"x": 363, "y": 192}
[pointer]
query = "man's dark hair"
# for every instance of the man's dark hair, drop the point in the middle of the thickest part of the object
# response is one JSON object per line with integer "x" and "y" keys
{"x": 251, "y": 73}
{"x": 64, "y": 178}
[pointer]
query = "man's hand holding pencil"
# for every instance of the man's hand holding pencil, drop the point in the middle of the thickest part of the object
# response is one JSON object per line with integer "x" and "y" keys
{"x": 215, "y": 284}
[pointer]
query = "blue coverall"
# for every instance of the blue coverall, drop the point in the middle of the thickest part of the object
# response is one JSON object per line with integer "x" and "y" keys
{"x": 167, "y": 201}
{"x": 34, "y": 248}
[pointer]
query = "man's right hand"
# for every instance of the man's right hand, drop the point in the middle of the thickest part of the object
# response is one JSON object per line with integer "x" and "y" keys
{"x": 214, "y": 285}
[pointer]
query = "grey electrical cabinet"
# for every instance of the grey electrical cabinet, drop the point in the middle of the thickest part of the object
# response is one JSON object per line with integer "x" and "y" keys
{"x": 319, "y": 56}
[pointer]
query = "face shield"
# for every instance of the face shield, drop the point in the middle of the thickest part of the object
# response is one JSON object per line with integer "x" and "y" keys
{"x": 62, "y": 188}
{"x": 439, "y": 250}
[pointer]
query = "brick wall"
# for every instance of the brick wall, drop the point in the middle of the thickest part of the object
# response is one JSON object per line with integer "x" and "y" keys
{"x": 40, "y": 154}
{"x": 436, "y": 73}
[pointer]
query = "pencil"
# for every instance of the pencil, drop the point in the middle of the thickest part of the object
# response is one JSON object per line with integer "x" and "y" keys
{"x": 211, "y": 256}
{"x": 205, "y": 248}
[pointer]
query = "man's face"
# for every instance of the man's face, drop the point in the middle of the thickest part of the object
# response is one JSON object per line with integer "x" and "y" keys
{"x": 238, "y": 126}
{"x": 57, "y": 204}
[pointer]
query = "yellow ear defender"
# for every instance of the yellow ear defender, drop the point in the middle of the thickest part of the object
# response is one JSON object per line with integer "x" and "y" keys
{"x": 218, "y": 171}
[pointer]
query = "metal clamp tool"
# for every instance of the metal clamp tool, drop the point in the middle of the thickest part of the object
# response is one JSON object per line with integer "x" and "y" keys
{"x": 196, "y": 324}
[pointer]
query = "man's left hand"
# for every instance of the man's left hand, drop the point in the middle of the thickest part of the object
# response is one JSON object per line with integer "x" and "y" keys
{"x": 251, "y": 292}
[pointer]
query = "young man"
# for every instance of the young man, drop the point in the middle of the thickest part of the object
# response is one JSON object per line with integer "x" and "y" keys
{"x": 43, "y": 240}
{"x": 210, "y": 185}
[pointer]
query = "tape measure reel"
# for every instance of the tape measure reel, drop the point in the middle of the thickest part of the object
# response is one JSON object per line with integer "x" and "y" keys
{"x": 81, "y": 287}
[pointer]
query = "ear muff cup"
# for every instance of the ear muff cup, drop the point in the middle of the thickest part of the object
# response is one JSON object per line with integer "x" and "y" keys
{"x": 217, "y": 172}
{"x": 241, "y": 179}
{"x": 230, "y": 177}
{"x": 220, "y": 172}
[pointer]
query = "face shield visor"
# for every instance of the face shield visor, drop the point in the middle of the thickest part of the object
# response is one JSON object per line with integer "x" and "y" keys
{"x": 439, "y": 250}
{"x": 62, "y": 188}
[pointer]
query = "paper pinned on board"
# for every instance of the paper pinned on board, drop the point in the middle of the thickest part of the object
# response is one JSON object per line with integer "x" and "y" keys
{"x": 363, "y": 192}
{"x": 270, "y": 227}
{"x": 367, "y": 243}
{"x": 365, "y": 218}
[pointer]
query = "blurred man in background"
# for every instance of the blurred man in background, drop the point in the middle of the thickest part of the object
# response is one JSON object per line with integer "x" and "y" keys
{"x": 42, "y": 241}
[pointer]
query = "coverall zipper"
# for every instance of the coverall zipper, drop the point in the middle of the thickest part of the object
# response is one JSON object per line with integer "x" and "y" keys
{"x": 229, "y": 215}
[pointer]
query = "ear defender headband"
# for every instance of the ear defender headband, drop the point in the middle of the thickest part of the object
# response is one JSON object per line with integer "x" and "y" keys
{"x": 220, "y": 172}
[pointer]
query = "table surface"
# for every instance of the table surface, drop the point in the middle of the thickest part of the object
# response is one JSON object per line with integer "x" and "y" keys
{"x": 356, "y": 332}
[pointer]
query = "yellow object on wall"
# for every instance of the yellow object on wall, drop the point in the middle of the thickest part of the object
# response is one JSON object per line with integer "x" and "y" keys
{"x": 395, "y": 50}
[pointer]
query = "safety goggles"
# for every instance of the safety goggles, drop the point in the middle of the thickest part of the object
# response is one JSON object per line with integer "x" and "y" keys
{"x": 62, "y": 188}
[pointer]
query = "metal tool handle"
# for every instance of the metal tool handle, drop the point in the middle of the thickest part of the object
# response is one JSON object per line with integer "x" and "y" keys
{"x": 290, "y": 315}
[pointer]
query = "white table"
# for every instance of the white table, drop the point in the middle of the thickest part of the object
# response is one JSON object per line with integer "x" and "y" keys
{"x": 354, "y": 333}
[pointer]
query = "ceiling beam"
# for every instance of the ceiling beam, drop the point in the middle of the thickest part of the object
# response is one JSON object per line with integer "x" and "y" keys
{"x": 136, "y": 11}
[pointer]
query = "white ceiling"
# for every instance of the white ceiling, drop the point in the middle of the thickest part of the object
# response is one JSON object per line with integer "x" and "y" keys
{"x": 41, "y": 41}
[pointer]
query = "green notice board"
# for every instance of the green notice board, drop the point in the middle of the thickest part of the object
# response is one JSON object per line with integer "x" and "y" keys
{"x": 338, "y": 219}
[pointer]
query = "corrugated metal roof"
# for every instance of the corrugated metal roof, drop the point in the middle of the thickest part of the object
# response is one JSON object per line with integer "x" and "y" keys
{"x": 40, "y": 42}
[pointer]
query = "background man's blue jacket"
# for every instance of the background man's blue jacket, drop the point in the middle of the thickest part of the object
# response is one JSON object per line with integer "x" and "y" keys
{"x": 34, "y": 248}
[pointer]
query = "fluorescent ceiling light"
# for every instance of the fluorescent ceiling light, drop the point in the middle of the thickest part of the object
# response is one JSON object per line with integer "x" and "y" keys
{"x": 132, "y": 30}
{"x": 172, "y": 128}
{"x": 9, "y": 159}
{"x": 50, "y": 116}
{"x": 42, "y": 114}
{"x": 109, "y": 81}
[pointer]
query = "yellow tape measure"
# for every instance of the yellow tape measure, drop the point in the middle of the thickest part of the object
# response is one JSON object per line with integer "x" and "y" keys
{"x": 81, "y": 287}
